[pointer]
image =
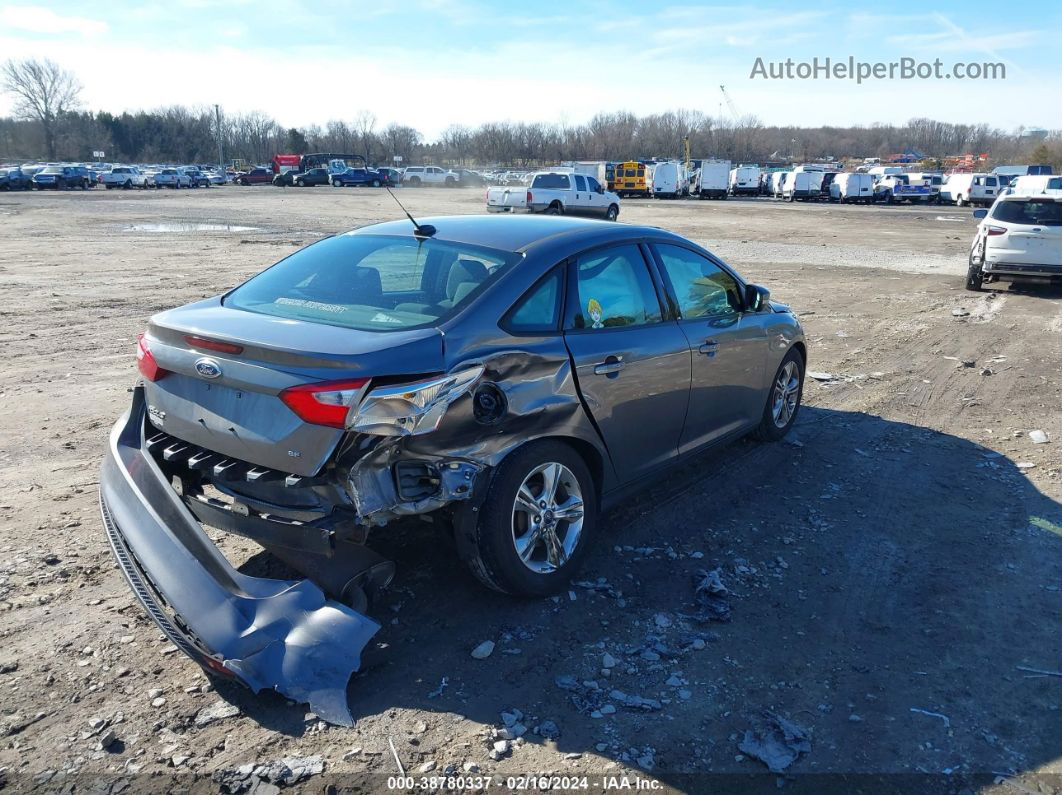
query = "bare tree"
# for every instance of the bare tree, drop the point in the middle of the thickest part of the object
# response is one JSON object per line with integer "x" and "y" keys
{"x": 44, "y": 92}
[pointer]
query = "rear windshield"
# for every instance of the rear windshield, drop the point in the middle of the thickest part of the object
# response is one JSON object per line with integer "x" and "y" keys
{"x": 372, "y": 283}
{"x": 1031, "y": 213}
{"x": 551, "y": 181}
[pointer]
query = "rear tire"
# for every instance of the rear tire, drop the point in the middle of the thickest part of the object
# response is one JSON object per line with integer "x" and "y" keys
{"x": 783, "y": 400}
{"x": 376, "y": 183}
{"x": 975, "y": 278}
{"x": 554, "y": 209}
{"x": 506, "y": 553}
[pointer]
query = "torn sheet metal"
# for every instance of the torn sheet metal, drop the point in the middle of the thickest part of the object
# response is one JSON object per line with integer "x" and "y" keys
{"x": 284, "y": 635}
{"x": 529, "y": 395}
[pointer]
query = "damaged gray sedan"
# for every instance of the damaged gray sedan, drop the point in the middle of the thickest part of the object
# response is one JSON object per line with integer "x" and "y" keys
{"x": 506, "y": 377}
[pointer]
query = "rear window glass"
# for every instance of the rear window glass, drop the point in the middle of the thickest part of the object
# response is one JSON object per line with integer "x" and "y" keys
{"x": 551, "y": 181}
{"x": 1032, "y": 213}
{"x": 372, "y": 283}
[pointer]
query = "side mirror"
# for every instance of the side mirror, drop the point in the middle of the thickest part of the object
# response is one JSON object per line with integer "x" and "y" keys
{"x": 982, "y": 213}
{"x": 756, "y": 297}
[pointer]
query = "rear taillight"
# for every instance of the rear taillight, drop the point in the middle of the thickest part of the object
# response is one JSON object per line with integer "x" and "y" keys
{"x": 992, "y": 231}
{"x": 213, "y": 345}
{"x": 146, "y": 363}
{"x": 528, "y": 198}
{"x": 324, "y": 403}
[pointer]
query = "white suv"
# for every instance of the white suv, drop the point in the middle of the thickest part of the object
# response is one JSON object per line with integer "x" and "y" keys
{"x": 1019, "y": 238}
{"x": 429, "y": 175}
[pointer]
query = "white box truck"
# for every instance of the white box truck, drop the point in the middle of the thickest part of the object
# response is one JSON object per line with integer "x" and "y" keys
{"x": 714, "y": 179}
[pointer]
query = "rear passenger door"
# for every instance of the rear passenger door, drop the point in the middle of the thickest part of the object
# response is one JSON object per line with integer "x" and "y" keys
{"x": 728, "y": 345}
{"x": 581, "y": 196}
{"x": 632, "y": 362}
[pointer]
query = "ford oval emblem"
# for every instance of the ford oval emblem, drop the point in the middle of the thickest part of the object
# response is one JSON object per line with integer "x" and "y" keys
{"x": 208, "y": 368}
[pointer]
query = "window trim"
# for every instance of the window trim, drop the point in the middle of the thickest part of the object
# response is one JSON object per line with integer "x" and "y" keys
{"x": 571, "y": 288}
{"x": 505, "y": 323}
{"x": 670, "y": 288}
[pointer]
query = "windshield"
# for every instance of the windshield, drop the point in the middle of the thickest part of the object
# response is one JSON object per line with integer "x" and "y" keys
{"x": 1031, "y": 213}
{"x": 372, "y": 283}
{"x": 52, "y": 170}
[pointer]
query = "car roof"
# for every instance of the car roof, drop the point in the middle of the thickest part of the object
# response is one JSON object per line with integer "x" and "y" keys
{"x": 517, "y": 233}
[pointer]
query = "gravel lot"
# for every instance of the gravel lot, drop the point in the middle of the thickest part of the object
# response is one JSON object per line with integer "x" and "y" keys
{"x": 889, "y": 568}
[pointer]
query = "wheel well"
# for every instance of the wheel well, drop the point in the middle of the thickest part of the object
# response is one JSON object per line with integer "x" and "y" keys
{"x": 556, "y": 203}
{"x": 590, "y": 455}
{"x": 802, "y": 350}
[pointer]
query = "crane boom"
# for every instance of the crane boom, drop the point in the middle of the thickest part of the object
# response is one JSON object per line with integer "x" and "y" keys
{"x": 729, "y": 103}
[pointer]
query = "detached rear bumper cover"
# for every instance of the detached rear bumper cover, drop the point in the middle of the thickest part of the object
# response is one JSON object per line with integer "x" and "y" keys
{"x": 277, "y": 634}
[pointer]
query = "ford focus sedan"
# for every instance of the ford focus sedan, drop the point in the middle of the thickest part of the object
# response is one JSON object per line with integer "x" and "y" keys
{"x": 506, "y": 377}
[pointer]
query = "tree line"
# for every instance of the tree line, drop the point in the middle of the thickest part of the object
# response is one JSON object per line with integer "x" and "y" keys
{"x": 49, "y": 124}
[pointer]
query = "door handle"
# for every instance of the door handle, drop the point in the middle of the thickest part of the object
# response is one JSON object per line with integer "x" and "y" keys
{"x": 709, "y": 347}
{"x": 611, "y": 366}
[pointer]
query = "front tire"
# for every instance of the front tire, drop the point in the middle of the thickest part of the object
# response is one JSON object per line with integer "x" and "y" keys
{"x": 783, "y": 402}
{"x": 612, "y": 213}
{"x": 537, "y": 522}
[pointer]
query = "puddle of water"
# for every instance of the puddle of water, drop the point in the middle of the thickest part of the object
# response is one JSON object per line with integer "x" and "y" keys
{"x": 188, "y": 227}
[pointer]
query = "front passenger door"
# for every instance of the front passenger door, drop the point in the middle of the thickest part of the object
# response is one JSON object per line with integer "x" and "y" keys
{"x": 632, "y": 365}
{"x": 729, "y": 346}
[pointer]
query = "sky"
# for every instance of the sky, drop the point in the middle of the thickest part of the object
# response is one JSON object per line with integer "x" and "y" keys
{"x": 433, "y": 63}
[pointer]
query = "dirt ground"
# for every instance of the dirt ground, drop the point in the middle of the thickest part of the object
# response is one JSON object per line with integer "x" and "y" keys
{"x": 890, "y": 568}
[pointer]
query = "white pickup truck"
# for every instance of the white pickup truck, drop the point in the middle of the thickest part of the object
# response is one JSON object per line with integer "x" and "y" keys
{"x": 124, "y": 177}
{"x": 555, "y": 193}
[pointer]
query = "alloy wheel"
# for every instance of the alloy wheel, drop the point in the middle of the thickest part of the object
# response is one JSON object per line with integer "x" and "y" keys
{"x": 547, "y": 518}
{"x": 786, "y": 395}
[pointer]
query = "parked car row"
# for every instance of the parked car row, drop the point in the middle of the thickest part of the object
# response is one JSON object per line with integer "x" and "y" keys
{"x": 125, "y": 177}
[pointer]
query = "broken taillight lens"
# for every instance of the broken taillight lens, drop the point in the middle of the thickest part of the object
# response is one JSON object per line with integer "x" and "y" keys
{"x": 324, "y": 403}
{"x": 145, "y": 361}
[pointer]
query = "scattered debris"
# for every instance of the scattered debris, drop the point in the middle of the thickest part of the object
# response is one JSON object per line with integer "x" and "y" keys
{"x": 483, "y": 650}
{"x": 394, "y": 753}
{"x": 1037, "y": 672}
{"x": 265, "y": 779}
{"x": 712, "y": 596}
{"x": 215, "y": 712}
{"x": 820, "y": 376}
{"x": 1039, "y": 437}
{"x": 959, "y": 312}
{"x": 945, "y": 718}
{"x": 777, "y": 744}
{"x": 440, "y": 689}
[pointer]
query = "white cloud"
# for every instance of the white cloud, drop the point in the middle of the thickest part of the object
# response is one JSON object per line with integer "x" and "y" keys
{"x": 37, "y": 19}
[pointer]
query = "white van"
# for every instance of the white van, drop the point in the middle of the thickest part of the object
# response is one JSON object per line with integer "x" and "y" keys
{"x": 801, "y": 185}
{"x": 1037, "y": 184}
{"x": 974, "y": 188}
{"x": 714, "y": 179}
{"x": 881, "y": 171}
{"x": 848, "y": 188}
{"x": 670, "y": 181}
{"x": 774, "y": 180}
{"x": 744, "y": 181}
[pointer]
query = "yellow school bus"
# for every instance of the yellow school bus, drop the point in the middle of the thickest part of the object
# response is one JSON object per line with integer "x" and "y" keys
{"x": 631, "y": 179}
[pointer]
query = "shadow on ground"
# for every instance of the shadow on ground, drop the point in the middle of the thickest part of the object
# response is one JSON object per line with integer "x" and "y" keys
{"x": 878, "y": 572}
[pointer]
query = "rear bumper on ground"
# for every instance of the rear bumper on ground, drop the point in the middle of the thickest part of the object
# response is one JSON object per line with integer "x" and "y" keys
{"x": 268, "y": 634}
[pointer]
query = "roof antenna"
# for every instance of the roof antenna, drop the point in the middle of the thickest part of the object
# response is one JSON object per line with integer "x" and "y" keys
{"x": 420, "y": 230}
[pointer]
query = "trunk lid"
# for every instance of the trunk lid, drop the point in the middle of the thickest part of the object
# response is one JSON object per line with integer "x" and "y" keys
{"x": 230, "y": 404}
